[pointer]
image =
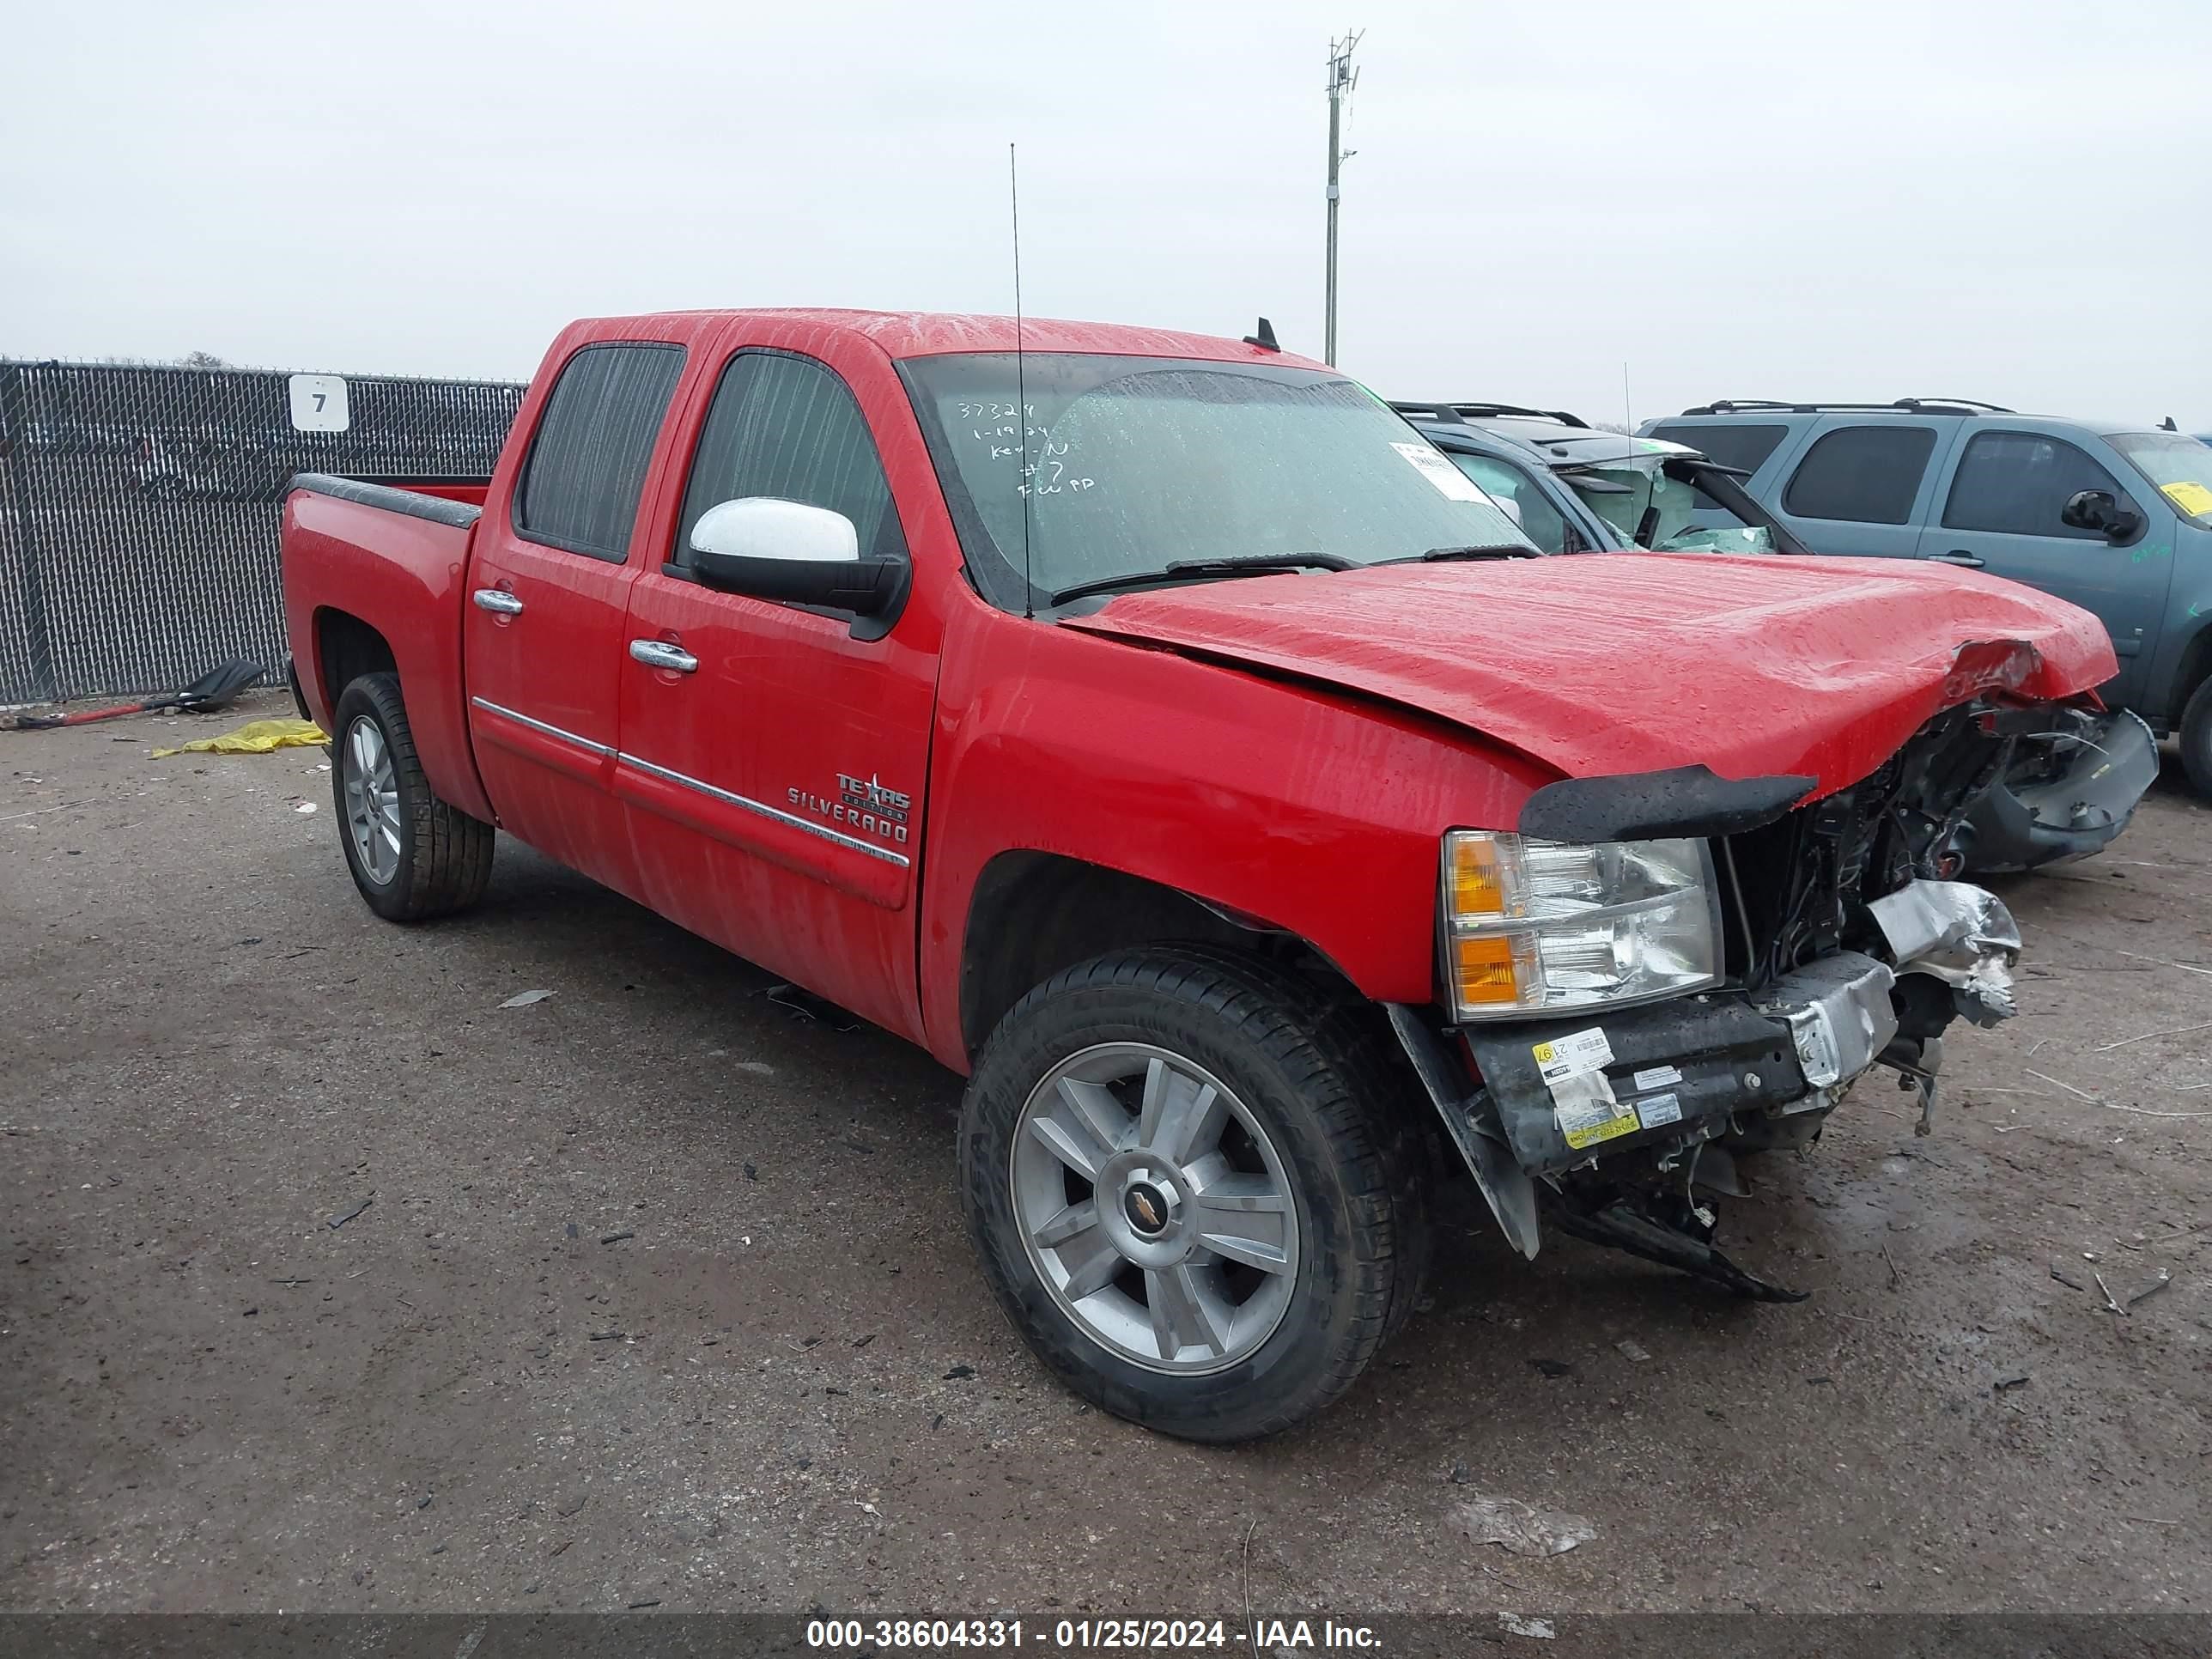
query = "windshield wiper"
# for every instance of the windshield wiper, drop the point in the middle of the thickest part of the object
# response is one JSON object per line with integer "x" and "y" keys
{"x": 1185, "y": 570}
{"x": 1486, "y": 551}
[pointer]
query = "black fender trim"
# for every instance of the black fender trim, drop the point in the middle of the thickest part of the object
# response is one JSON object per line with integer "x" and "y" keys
{"x": 1682, "y": 800}
{"x": 1470, "y": 1124}
{"x": 392, "y": 497}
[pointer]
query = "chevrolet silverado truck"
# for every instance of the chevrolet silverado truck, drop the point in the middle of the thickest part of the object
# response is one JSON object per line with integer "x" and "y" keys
{"x": 1169, "y": 739}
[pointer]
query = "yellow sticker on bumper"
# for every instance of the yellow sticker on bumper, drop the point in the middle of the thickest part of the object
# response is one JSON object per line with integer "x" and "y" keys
{"x": 1623, "y": 1125}
{"x": 1586, "y": 1112}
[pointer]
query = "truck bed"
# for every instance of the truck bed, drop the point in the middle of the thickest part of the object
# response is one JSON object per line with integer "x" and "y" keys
{"x": 386, "y": 561}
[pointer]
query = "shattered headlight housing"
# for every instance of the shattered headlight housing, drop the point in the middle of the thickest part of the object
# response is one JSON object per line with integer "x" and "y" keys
{"x": 1539, "y": 926}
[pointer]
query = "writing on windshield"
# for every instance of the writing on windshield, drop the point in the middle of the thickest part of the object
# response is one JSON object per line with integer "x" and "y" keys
{"x": 1129, "y": 464}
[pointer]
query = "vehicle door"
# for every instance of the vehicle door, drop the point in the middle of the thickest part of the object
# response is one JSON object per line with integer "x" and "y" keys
{"x": 1860, "y": 487}
{"x": 2001, "y": 498}
{"x": 774, "y": 755}
{"x": 542, "y": 636}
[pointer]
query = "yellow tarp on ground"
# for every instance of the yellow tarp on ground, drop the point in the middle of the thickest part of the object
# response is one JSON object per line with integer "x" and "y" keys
{"x": 254, "y": 738}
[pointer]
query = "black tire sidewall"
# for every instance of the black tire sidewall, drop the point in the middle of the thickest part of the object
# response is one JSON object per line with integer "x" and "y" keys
{"x": 376, "y": 698}
{"x": 2195, "y": 738}
{"x": 1322, "y": 1342}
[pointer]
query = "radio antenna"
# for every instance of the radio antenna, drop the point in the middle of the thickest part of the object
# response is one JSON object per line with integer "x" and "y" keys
{"x": 1021, "y": 391}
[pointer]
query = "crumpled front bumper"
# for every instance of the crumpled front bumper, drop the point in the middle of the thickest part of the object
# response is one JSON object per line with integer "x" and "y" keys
{"x": 1664, "y": 1079}
{"x": 2111, "y": 762}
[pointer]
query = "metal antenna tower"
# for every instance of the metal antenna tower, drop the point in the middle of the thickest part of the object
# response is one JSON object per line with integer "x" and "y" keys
{"x": 1342, "y": 78}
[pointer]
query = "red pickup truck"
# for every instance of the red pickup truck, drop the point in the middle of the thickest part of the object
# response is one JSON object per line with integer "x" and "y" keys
{"x": 1164, "y": 735}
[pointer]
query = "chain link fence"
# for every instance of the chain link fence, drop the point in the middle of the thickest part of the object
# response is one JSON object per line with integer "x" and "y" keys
{"x": 139, "y": 506}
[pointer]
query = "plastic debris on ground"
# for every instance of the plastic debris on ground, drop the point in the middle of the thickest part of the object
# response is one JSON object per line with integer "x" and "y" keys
{"x": 1522, "y": 1529}
{"x": 254, "y": 738}
{"x": 809, "y": 1008}
{"x": 524, "y": 999}
{"x": 1514, "y": 1625}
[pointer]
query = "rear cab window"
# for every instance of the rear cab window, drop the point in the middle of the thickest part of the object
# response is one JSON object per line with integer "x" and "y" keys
{"x": 587, "y": 462}
{"x": 1861, "y": 474}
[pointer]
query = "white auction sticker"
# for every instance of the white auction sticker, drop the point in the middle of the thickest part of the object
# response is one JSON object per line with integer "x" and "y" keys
{"x": 1578, "y": 1051}
{"x": 1658, "y": 1109}
{"x": 1584, "y": 1108}
{"x": 319, "y": 404}
{"x": 1450, "y": 481}
{"x": 1657, "y": 1077}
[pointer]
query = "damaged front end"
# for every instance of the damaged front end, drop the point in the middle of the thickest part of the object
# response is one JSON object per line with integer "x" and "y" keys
{"x": 1662, "y": 973}
{"x": 2070, "y": 788}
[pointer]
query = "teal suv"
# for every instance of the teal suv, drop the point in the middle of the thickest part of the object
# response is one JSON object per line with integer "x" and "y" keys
{"x": 2116, "y": 518}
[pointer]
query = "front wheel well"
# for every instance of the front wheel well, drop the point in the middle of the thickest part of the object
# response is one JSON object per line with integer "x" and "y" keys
{"x": 1033, "y": 913}
{"x": 346, "y": 648}
{"x": 2196, "y": 669}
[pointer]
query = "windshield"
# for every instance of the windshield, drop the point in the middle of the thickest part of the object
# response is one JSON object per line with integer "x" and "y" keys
{"x": 2179, "y": 467}
{"x": 1139, "y": 463}
{"x": 1651, "y": 508}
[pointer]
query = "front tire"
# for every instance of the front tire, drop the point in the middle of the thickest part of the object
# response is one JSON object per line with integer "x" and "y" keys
{"x": 1190, "y": 1192}
{"x": 2196, "y": 739}
{"x": 412, "y": 855}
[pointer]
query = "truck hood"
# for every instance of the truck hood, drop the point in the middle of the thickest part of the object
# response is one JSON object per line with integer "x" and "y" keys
{"x": 1604, "y": 664}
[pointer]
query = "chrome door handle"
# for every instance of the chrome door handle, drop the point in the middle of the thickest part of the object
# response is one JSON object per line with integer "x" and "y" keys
{"x": 1957, "y": 555}
{"x": 658, "y": 653}
{"x": 497, "y": 599}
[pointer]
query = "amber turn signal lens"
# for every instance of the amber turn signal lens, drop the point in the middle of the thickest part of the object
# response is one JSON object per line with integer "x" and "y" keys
{"x": 1484, "y": 965}
{"x": 1478, "y": 885}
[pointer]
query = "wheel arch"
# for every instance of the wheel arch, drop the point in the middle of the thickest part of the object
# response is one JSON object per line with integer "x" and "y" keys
{"x": 1031, "y": 914}
{"x": 2195, "y": 668}
{"x": 347, "y": 647}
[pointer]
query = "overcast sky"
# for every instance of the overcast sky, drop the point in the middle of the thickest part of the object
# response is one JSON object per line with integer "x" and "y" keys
{"x": 1798, "y": 200}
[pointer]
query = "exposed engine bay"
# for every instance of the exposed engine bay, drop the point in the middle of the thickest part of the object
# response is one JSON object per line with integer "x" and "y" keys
{"x": 1849, "y": 948}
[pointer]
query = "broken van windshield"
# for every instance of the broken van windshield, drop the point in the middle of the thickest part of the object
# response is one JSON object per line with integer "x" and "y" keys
{"x": 1136, "y": 463}
{"x": 1650, "y": 507}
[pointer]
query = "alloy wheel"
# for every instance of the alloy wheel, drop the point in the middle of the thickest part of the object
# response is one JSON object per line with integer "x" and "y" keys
{"x": 1155, "y": 1209}
{"x": 372, "y": 800}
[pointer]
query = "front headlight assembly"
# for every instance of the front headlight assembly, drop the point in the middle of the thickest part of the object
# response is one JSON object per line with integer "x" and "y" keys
{"x": 1542, "y": 927}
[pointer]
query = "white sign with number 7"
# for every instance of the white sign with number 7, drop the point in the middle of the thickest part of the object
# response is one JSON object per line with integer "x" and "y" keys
{"x": 319, "y": 404}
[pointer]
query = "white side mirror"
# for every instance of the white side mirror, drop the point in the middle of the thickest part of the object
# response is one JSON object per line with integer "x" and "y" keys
{"x": 764, "y": 528}
{"x": 788, "y": 551}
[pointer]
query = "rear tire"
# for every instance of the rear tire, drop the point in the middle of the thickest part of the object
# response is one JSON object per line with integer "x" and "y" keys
{"x": 2196, "y": 739}
{"x": 1308, "y": 1175}
{"x": 412, "y": 855}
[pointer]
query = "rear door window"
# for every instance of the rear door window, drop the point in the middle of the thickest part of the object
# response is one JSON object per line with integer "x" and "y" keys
{"x": 2016, "y": 483}
{"x": 1746, "y": 447}
{"x": 587, "y": 463}
{"x": 1863, "y": 474}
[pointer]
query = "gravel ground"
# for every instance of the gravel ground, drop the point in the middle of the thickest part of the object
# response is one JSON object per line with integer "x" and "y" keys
{"x": 661, "y": 1294}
